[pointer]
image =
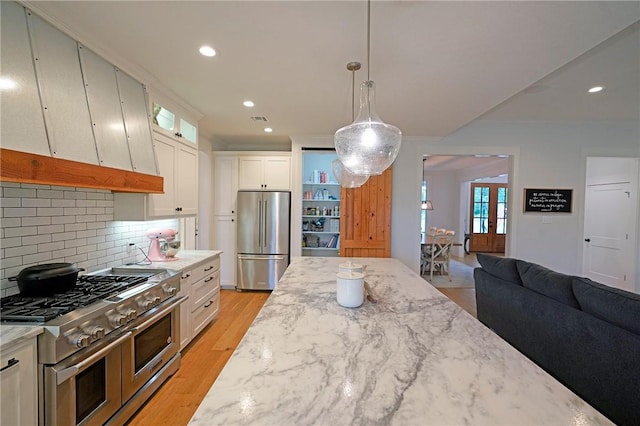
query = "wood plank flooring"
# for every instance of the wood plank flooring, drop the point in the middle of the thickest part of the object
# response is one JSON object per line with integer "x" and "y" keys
{"x": 205, "y": 357}
{"x": 202, "y": 360}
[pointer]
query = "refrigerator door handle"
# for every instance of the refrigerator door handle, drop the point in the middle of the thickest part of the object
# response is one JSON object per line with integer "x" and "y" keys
{"x": 259, "y": 223}
{"x": 252, "y": 257}
{"x": 264, "y": 228}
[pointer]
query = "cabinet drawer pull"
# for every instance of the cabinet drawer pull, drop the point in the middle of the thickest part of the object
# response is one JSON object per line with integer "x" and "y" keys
{"x": 208, "y": 279}
{"x": 209, "y": 304}
{"x": 13, "y": 362}
{"x": 208, "y": 269}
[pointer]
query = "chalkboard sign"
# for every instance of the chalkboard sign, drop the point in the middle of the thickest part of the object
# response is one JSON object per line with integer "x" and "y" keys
{"x": 547, "y": 200}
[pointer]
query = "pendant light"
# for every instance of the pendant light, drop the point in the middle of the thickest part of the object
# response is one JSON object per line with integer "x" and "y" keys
{"x": 342, "y": 174}
{"x": 368, "y": 146}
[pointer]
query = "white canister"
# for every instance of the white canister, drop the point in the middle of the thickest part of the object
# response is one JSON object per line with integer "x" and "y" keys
{"x": 350, "y": 289}
{"x": 350, "y": 266}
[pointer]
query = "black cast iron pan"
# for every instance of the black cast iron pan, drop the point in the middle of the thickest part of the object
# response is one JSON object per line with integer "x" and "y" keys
{"x": 47, "y": 279}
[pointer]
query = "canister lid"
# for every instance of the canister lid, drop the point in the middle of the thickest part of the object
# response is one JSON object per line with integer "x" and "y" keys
{"x": 351, "y": 265}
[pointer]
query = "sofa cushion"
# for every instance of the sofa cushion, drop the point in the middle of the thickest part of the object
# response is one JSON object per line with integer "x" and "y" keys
{"x": 613, "y": 305}
{"x": 547, "y": 282}
{"x": 501, "y": 267}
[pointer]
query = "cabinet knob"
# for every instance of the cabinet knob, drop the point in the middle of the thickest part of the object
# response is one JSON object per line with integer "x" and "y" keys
{"x": 232, "y": 220}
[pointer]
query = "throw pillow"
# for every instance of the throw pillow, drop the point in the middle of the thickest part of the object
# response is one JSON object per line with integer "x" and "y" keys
{"x": 618, "y": 307}
{"x": 501, "y": 267}
{"x": 547, "y": 282}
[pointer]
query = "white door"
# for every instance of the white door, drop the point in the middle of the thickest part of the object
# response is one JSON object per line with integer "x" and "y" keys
{"x": 610, "y": 233}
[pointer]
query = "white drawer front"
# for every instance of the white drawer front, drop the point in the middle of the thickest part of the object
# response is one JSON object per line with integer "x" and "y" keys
{"x": 201, "y": 289}
{"x": 206, "y": 312}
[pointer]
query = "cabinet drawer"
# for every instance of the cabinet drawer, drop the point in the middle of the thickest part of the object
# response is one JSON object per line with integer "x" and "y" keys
{"x": 200, "y": 271}
{"x": 206, "y": 312}
{"x": 200, "y": 290}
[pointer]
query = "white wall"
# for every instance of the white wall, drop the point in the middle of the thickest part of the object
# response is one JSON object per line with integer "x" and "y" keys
{"x": 205, "y": 195}
{"x": 443, "y": 193}
{"x": 543, "y": 155}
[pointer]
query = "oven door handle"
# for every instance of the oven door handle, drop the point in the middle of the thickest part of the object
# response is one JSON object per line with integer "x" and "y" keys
{"x": 157, "y": 315}
{"x": 66, "y": 373}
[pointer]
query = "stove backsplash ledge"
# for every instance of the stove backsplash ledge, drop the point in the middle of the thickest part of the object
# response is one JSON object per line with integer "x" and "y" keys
{"x": 45, "y": 224}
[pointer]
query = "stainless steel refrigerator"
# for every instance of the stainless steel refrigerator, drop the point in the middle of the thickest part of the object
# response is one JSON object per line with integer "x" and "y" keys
{"x": 262, "y": 238}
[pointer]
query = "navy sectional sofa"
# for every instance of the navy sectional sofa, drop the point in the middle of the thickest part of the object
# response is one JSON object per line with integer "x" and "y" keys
{"x": 583, "y": 333}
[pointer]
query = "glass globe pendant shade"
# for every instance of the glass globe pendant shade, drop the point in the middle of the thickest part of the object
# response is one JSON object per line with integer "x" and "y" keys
{"x": 368, "y": 146}
{"x": 346, "y": 178}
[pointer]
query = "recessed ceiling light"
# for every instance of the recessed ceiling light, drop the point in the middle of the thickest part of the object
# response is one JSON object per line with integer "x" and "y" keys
{"x": 207, "y": 51}
{"x": 248, "y": 104}
{"x": 268, "y": 129}
{"x": 596, "y": 89}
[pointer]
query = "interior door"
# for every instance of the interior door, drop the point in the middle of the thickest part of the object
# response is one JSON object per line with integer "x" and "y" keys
{"x": 488, "y": 217}
{"x": 608, "y": 254}
{"x": 365, "y": 218}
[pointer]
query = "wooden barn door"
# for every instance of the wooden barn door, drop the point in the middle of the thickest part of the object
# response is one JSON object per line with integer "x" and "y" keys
{"x": 365, "y": 219}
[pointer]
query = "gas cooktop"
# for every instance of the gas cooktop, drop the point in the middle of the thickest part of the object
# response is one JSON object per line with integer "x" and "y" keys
{"x": 88, "y": 290}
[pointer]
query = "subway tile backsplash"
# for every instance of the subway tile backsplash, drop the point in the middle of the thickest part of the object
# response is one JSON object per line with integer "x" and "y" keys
{"x": 46, "y": 224}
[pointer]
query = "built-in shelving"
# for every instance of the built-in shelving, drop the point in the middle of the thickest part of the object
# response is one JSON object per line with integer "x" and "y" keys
{"x": 320, "y": 206}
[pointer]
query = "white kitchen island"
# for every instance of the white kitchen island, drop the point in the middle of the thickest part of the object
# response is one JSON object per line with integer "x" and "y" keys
{"x": 414, "y": 358}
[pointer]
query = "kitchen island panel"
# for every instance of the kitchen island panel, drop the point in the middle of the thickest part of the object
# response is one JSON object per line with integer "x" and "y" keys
{"x": 415, "y": 357}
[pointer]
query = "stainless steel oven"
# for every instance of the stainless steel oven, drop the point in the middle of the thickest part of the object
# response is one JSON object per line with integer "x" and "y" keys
{"x": 85, "y": 389}
{"x": 153, "y": 342}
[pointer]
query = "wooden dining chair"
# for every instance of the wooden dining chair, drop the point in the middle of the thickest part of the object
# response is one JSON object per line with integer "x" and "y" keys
{"x": 440, "y": 254}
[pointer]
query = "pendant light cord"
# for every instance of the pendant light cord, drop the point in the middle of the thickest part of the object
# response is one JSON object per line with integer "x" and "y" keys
{"x": 368, "y": 39}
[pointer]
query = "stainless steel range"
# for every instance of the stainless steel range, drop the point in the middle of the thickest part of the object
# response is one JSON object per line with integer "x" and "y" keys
{"x": 107, "y": 345}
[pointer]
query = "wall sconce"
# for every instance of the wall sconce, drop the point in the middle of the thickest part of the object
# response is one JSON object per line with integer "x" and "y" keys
{"x": 427, "y": 205}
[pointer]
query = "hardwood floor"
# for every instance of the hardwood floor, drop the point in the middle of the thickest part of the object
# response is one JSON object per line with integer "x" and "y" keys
{"x": 202, "y": 360}
{"x": 463, "y": 297}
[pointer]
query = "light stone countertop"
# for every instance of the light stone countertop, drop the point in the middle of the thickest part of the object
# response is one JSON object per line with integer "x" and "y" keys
{"x": 186, "y": 259}
{"x": 414, "y": 358}
{"x": 13, "y": 334}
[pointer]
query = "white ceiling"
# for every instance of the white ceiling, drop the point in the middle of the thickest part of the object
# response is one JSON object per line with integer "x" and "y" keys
{"x": 437, "y": 65}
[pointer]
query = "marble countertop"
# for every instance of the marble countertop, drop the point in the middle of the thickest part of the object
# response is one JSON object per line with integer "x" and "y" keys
{"x": 185, "y": 259}
{"x": 14, "y": 334}
{"x": 413, "y": 358}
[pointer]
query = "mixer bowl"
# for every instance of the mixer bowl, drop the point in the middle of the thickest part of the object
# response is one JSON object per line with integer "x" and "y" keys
{"x": 169, "y": 248}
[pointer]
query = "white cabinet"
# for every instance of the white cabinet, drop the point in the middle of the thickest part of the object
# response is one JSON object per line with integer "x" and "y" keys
{"x": 168, "y": 122}
{"x": 224, "y": 238}
{"x": 225, "y": 176}
{"x": 264, "y": 173}
{"x": 203, "y": 305}
{"x": 178, "y": 165}
{"x": 224, "y": 221}
{"x": 19, "y": 383}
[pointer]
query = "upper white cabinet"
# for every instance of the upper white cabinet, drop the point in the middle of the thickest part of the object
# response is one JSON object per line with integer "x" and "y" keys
{"x": 264, "y": 173}
{"x": 225, "y": 176}
{"x": 172, "y": 124}
{"x": 22, "y": 126}
{"x": 178, "y": 164}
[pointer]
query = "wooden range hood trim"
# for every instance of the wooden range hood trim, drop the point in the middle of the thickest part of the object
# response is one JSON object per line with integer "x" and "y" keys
{"x": 23, "y": 167}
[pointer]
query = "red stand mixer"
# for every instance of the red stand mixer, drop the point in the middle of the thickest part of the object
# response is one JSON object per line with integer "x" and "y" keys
{"x": 164, "y": 246}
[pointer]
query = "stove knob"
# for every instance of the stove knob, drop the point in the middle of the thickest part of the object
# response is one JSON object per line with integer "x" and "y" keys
{"x": 157, "y": 300}
{"x": 148, "y": 304}
{"x": 170, "y": 291}
{"x": 80, "y": 340}
{"x": 131, "y": 314}
{"x": 118, "y": 320}
{"x": 95, "y": 332}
